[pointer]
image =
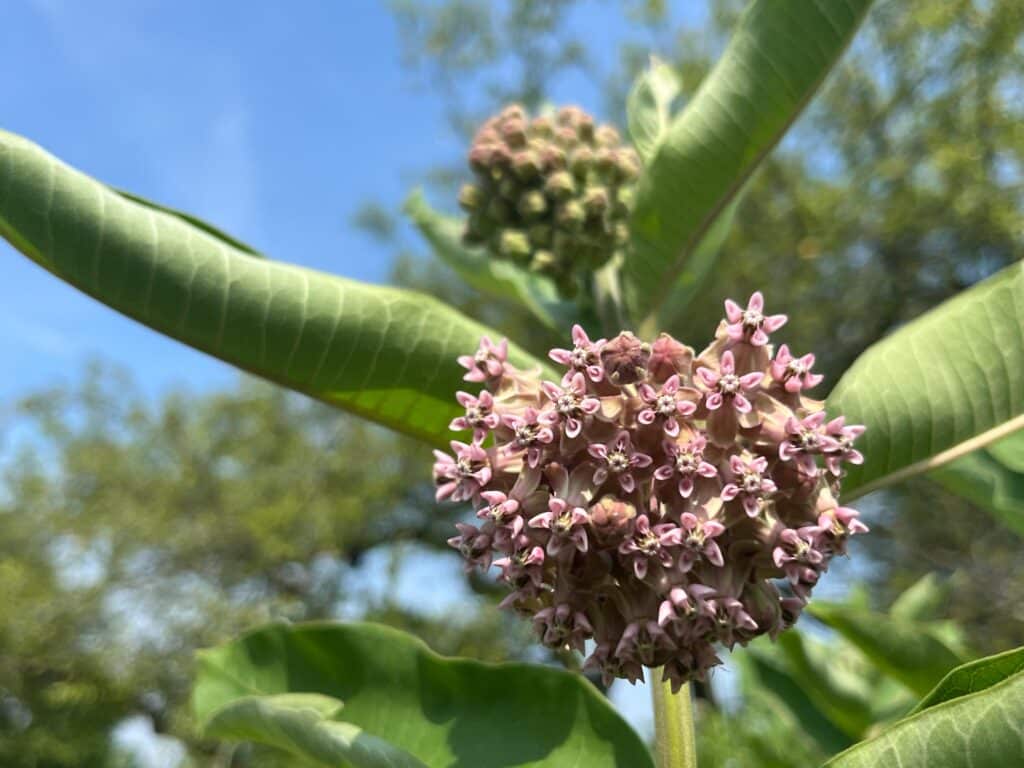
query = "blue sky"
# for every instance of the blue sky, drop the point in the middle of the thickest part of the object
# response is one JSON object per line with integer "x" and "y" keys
{"x": 274, "y": 121}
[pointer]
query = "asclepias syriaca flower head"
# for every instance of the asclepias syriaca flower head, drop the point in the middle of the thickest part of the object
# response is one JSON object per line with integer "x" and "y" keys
{"x": 659, "y": 503}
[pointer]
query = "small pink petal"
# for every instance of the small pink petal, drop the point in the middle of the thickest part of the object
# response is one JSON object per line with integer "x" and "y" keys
{"x": 733, "y": 311}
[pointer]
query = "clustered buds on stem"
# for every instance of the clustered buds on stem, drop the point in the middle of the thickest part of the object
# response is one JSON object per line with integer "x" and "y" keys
{"x": 551, "y": 194}
{"x": 656, "y": 503}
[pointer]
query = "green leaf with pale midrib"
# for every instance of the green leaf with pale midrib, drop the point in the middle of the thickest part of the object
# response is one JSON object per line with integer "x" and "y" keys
{"x": 501, "y": 280}
{"x": 974, "y": 676}
{"x": 939, "y": 387}
{"x": 445, "y": 712}
{"x": 991, "y": 478}
{"x": 188, "y": 218}
{"x": 982, "y": 729}
{"x": 306, "y": 727}
{"x": 648, "y": 106}
{"x": 777, "y": 58}
{"x": 383, "y": 353}
{"x": 910, "y": 651}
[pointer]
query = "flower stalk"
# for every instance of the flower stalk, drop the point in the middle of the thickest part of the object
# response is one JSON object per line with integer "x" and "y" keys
{"x": 675, "y": 743}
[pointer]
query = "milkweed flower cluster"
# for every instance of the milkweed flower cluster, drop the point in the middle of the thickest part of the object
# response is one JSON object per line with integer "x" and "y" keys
{"x": 654, "y": 501}
{"x": 552, "y": 193}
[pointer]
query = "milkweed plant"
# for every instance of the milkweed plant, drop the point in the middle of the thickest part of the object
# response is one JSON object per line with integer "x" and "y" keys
{"x": 647, "y": 504}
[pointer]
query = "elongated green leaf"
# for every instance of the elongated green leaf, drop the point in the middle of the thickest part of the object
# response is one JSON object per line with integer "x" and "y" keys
{"x": 924, "y": 600}
{"x": 941, "y": 386}
{"x": 648, "y": 106}
{"x": 385, "y": 354}
{"x": 500, "y": 279}
{"x": 195, "y": 221}
{"x": 305, "y": 726}
{"x": 991, "y": 478}
{"x": 445, "y": 712}
{"x": 699, "y": 267}
{"x": 974, "y": 676}
{"x": 982, "y": 729}
{"x": 777, "y": 58}
{"x": 910, "y": 651}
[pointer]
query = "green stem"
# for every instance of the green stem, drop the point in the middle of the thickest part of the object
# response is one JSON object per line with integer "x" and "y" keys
{"x": 674, "y": 740}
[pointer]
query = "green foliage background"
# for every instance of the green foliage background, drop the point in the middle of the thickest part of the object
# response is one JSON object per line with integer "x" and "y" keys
{"x": 197, "y": 517}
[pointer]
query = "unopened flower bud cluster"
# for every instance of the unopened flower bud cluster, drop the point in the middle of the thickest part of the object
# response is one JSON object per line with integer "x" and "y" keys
{"x": 552, "y": 194}
{"x": 658, "y": 503}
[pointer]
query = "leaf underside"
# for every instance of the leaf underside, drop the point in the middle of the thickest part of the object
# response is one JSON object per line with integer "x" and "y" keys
{"x": 933, "y": 389}
{"x": 777, "y": 57}
{"x": 383, "y": 353}
{"x": 973, "y": 719}
{"x": 445, "y": 712}
{"x": 304, "y": 726}
{"x": 991, "y": 478}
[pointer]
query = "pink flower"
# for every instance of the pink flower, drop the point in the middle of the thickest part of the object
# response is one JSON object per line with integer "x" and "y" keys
{"x": 562, "y": 625}
{"x": 731, "y": 619}
{"x": 618, "y": 458}
{"x": 750, "y": 324}
{"x": 584, "y": 356}
{"x": 689, "y": 663}
{"x": 641, "y": 641}
{"x": 843, "y": 449}
{"x": 794, "y": 373}
{"x": 698, "y": 541}
{"x": 612, "y": 666}
{"x": 474, "y": 545}
{"x": 799, "y": 556}
{"x": 566, "y": 523}
{"x": 462, "y": 477}
{"x": 572, "y": 403}
{"x": 682, "y": 605}
{"x": 488, "y": 363}
{"x": 479, "y": 415}
{"x": 750, "y": 483}
{"x": 685, "y": 462}
{"x": 806, "y": 440}
{"x": 649, "y": 543}
{"x": 607, "y": 501}
{"x": 837, "y": 525}
{"x": 667, "y": 404}
{"x": 726, "y": 388}
{"x": 669, "y": 358}
{"x": 525, "y": 564}
{"x": 531, "y": 431}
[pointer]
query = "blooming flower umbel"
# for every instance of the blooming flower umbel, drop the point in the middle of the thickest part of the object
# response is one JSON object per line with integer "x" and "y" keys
{"x": 654, "y": 501}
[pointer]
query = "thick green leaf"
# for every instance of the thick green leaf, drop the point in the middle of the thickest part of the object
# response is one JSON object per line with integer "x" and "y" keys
{"x": 445, "y": 712}
{"x": 493, "y": 277}
{"x": 777, "y": 58}
{"x": 383, "y": 353}
{"x": 983, "y": 729}
{"x": 974, "y": 676}
{"x": 698, "y": 269}
{"x": 923, "y": 600}
{"x": 305, "y": 726}
{"x": 991, "y": 478}
{"x": 195, "y": 221}
{"x": 941, "y": 386}
{"x": 649, "y": 104}
{"x": 915, "y": 653}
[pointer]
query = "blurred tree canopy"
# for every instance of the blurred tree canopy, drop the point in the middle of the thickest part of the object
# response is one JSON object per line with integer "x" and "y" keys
{"x": 134, "y": 532}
